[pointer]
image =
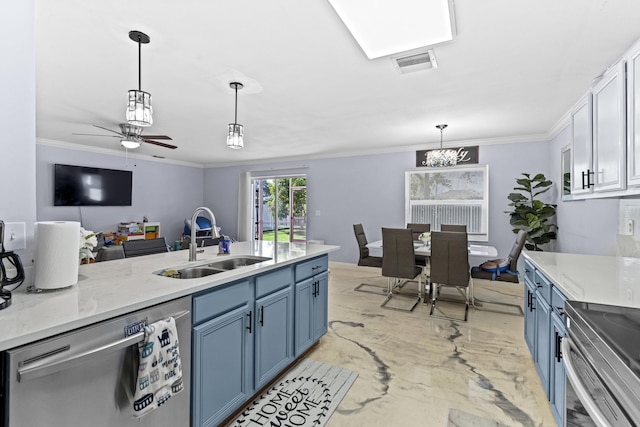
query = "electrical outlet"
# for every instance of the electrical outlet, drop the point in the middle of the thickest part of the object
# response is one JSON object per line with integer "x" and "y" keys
{"x": 629, "y": 295}
{"x": 15, "y": 236}
{"x": 630, "y": 225}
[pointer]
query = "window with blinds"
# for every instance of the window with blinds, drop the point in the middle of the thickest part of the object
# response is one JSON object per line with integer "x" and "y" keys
{"x": 449, "y": 195}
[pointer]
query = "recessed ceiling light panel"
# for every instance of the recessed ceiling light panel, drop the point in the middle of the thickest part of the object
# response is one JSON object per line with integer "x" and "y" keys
{"x": 385, "y": 27}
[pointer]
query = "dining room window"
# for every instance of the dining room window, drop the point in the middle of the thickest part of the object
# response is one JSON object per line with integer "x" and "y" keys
{"x": 449, "y": 195}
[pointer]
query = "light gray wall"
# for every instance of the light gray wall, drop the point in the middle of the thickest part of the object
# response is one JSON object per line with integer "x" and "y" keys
{"x": 369, "y": 189}
{"x": 18, "y": 118}
{"x": 584, "y": 226}
{"x": 163, "y": 192}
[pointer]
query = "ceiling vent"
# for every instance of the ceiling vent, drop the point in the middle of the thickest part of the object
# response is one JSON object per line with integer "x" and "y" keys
{"x": 415, "y": 62}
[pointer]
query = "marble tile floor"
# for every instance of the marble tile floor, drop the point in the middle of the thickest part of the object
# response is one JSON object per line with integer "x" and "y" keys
{"x": 414, "y": 368}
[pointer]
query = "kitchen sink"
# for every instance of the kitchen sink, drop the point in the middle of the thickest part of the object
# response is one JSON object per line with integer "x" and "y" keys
{"x": 203, "y": 270}
{"x": 232, "y": 263}
{"x": 195, "y": 272}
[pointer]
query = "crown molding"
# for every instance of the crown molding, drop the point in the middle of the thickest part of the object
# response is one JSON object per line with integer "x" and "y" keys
{"x": 112, "y": 152}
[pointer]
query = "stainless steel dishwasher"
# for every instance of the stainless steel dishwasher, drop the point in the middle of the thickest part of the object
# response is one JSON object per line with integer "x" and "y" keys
{"x": 87, "y": 376}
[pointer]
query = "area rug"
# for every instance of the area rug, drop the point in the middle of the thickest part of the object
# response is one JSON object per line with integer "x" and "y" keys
{"x": 306, "y": 395}
{"x": 459, "y": 418}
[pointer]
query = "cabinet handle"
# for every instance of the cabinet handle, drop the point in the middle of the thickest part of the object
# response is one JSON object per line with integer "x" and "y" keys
{"x": 317, "y": 288}
{"x": 588, "y": 176}
{"x": 558, "y": 350}
{"x": 316, "y": 267}
{"x": 262, "y": 316}
{"x": 531, "y": 307}
{"x": 250, "y": 314}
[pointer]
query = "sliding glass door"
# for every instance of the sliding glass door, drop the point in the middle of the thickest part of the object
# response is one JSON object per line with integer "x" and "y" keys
{"x": 280, "y": 209}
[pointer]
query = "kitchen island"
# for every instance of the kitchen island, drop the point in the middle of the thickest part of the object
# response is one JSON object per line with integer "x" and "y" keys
{"x": 247, "y": 324}
{"x": 113, "y": 288}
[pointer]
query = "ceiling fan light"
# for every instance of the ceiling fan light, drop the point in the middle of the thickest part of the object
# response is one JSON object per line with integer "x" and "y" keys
{"x": 130, "y": 144}
{"x": 139, "y": 109}
{"x": 235, "y": 138}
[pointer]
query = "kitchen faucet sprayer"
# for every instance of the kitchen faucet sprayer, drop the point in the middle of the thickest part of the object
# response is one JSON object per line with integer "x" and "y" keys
{"x": 214, "y": 230}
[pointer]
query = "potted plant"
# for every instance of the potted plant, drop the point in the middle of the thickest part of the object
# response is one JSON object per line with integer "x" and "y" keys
{"x": 530, "y": 214}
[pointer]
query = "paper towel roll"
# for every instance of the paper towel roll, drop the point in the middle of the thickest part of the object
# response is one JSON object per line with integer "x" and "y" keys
{"x": 57, "y": 254}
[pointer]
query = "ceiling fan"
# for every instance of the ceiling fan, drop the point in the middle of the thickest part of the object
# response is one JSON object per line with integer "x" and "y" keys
{"x": 131, "y": 136}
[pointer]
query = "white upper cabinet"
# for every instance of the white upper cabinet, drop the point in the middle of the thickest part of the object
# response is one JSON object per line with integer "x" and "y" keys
{"x": 581, "y": 149}
{"x": 598, "y": 137}
{"x": 633, "y": 117}
{"x": 609, "y": 130}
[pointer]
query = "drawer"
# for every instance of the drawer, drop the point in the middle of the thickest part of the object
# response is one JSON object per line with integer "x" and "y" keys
{"x": 529, "y": 271}
{"x": 543, "y": 286}
{"x": 219, "y": 301}
{"x": 273, "y": 281}
{"x": 312, "y": 267}
{"x": 557, "y": 301}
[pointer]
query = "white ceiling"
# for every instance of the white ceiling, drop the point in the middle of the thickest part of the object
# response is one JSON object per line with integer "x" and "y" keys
{"x": 513, "y": 70}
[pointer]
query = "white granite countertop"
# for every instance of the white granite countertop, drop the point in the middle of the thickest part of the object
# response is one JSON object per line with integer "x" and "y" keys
{"x": 112, "y": 288}
{"x": 591, "y": 278}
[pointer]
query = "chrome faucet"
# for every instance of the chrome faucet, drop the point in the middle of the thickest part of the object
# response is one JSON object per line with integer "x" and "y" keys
{"x": 192, "y": 244}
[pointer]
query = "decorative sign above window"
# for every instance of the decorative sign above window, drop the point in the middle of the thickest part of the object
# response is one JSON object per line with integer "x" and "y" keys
{"x": 466, "y": 156}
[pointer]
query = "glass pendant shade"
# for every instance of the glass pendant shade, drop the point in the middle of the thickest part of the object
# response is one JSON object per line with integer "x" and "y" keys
{"x": 439, "y": 158}
{"x": 235, "y": 138}
{"x": 139, "y": 109}
{"x": 130, "y": 143}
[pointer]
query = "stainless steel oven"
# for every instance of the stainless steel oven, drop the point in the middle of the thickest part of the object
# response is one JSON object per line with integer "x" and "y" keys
{"x": 602, "y": 359}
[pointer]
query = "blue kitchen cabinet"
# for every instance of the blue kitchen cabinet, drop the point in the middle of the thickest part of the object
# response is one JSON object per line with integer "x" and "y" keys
{"x": 311, "y": 310}
{"x": 222, "y": 353}
{"x": 273, "y": 324}
{"x": 543, "y": 331}
{"x": 530, "y": 309}
{"x": 243, "y": 336}
{"x": 542, "y": 348}
{"x": 557, "y": 371}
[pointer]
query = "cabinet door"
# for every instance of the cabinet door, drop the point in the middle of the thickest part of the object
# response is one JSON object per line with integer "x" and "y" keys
{"x": 529, "y": 317}
{"x": 558, "y": 376}
{"x": 633, "y": 118}
{"x": 321, "y": 305}
{"x": 274, "y": 335}
{"x": 609, "y": 130}
{"x": 304, "y": 328}
{"x": 542, "y": 348}
{"x": 222, "y": 365}
{"x": 581, "y": 146}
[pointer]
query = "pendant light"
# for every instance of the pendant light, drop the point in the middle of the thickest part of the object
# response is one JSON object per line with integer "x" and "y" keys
{"x": 235, "y": 138}
{"x": 442, "y": 157}
{"x": 139, "y": 109}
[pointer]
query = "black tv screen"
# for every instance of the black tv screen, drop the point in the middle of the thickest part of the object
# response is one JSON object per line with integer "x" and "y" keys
{"x": 86, "y": 186}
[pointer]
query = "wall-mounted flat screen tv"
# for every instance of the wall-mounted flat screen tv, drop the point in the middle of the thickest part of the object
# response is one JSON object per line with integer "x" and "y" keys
{"x": 87, "y": 186}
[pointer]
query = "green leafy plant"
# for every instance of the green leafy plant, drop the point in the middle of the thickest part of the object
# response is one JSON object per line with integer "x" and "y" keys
{"x": 531, "y": 214}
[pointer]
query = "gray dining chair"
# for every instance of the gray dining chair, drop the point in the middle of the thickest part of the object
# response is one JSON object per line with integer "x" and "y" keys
{"x": 399, "y": 263}
{"x": 461, "y": 228}
{"x": 509, "y": 275}
{"x": 367, "y": 260}
{"x": 133, "y": 248}
{"x": 416, "y": 230}
{"x": 449, "y": 267}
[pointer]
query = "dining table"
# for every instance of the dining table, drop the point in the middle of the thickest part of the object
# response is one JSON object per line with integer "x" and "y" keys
{"x": 424, "y": 249}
